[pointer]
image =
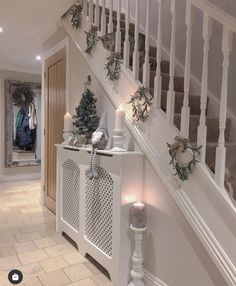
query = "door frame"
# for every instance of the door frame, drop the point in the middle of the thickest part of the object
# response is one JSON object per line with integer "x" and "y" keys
{"x": 63, "y": 44}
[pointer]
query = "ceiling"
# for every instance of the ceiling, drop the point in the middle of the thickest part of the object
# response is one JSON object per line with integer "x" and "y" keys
{"x": 27, "y": 24}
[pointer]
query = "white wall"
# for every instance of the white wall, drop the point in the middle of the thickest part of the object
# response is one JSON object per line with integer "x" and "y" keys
{"x": 12, "y": 75}
{"x": 172, "y": 251}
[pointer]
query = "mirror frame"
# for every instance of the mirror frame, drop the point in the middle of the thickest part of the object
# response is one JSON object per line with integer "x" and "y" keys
{"x": 9, "y": 84}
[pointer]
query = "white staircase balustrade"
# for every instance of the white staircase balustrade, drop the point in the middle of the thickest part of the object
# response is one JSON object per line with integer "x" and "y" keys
{"x": 85, "y": 8}
{"x": 146, "y": 65}
{"x": 103, "y": 18}
{"x": 127, "y": 42}
{"x": 96, "y": 15}
{"x": 171, "y": 92}
{"x": 136, "y": 46}
{"x": 221, "y": 150}
{"x": 158, "y": 78}
{"x": 110, "y": 24}
{"x": 118, "y": 32}
{"x": 210, "y": 14}
{"x": 202, "y": 128}
{"x": 91, "y": 11}
{"x": 185, "y": 111}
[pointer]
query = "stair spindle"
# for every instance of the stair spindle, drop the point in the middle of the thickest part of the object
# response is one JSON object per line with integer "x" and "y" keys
{"x": 103, "y": 18}
{"x": 96, "y": 17}
{"x": 171, "y": 91}
{"x": 118, "y": 32}
{"x": 146, "y": 65}
{"x": 127, "y": 42}
{"x": 202, "y": 128}
{"x": 221, "y": 150}
{"x": 158, "y": 79}
{"x": 91, "y": 11}
{"x": 136, "y": 46}
{"x": 110, "y": 24}
{"x": 85, "y": 7}
{"x": 185, "y": 110}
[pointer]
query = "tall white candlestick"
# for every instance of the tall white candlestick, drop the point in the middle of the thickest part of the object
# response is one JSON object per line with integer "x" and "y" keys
{"x": 120, "y": 118}
{"x": 67, "y": 122}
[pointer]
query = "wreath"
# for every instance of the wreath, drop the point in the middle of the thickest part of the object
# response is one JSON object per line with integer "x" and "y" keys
{"x": 23, "y": 96}
{"x": 76, "y": 13}
{"x": 141, "y": 104}
{"x": 91, "y": 39}
{"x": 113, "y": 65}
{"x": 184, "y": 157}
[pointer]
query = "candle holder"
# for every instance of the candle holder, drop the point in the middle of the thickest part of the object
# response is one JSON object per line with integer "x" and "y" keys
{"x": 66, "y": 135}
{"x": 137, "y": 273}
{"x": 118, "y": 141}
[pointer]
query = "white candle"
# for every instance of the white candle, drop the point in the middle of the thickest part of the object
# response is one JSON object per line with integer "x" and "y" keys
{"x": 138, "y": 219}
{"x": 67, "y": 122}
{"x": 120, "y": 118}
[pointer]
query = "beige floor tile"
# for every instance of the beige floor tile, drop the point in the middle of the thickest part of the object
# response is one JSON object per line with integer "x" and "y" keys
{"x": 74, "y": 258}
{"x": 101, "y": 280}
{"x": 9, "y": 262}
{"x": 32, "y": 269}
{"x": 27, "y": 237}
{"x": 34, "y": 281}
{"x": 56, "y": 278}
{"x": 60, "y": 249}
{"x": 53, "y": 264}
{"x": 44, "y": 242}
{"x": 78, "y": 272}
{"x": 84, "y": 282}
{"x": 32, "y": 256}
{"x": 7, "y": 250}
{"x": 59, "y": 238}
{"x": 24, "y": 247}
{"x": 4, "y": 278}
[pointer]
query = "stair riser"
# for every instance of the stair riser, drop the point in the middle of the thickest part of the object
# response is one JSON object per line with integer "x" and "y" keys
{"x": 178, "y": 81}
{"x": 212, "y": 128}
{"x": 194, "y": 102}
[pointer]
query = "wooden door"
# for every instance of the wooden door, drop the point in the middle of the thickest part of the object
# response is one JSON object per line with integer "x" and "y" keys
{"x": 55, "y": 108}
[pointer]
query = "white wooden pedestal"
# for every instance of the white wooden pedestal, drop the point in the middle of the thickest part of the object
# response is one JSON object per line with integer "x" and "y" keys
{"x": 95, "y": 213}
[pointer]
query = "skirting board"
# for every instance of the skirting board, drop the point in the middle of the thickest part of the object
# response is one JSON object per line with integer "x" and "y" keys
{"x": 151, "y": 280}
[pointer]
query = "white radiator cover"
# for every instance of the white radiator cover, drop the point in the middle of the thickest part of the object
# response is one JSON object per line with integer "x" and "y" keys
{"x": 96, "y": 213}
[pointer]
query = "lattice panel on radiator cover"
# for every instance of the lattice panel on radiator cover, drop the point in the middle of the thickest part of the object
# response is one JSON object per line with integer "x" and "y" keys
{"x": 70, "y": 193}
{"x": 99, "y": 208}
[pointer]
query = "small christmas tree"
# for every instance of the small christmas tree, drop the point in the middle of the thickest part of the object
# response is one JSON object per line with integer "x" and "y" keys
{"x": 86, "y": 119}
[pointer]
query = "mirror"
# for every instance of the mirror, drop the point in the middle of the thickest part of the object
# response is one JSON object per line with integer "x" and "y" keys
{"x": 23, "y": 130}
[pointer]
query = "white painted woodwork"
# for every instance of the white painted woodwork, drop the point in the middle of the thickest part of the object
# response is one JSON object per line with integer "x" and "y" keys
{"x": 96, "y": 15}
{"x": 221, "y": 150}
{"x": 202, "y": 128}
{"x": 85, "y": 7}
{"x": 185, "y": 110}
{"x": 127, "y": 42}
{"x": 207, "y": 225}
{"x": 110, "y": 24}
{"x": 146, "y": 65}
{"x": 91, "y": 11}
{"x": 103, "y": 18}
{"x": 136, "y": 39}
{"x": 121, "y": 179}
{"x": 171, "y": 92}
{"x": 158, "y": 79}
{"x": 118, "y": 32}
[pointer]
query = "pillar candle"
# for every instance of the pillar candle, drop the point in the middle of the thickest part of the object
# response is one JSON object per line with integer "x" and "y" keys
{"x": 67, "y": 122}
{"x": 120, "y": 118}
{"x": 138, "y": 217}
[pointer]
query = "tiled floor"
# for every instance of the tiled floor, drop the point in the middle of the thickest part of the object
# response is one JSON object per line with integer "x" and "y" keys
{"x": 29, "y": 242}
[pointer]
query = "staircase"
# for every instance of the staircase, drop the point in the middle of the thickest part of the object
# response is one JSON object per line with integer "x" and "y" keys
{"x": 212, "y": 123}
{"x": 176, "y": 110}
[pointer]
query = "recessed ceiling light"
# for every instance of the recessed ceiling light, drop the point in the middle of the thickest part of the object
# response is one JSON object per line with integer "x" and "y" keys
{"x": 38, "y": 58}
{"x": 1, "y": 29}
